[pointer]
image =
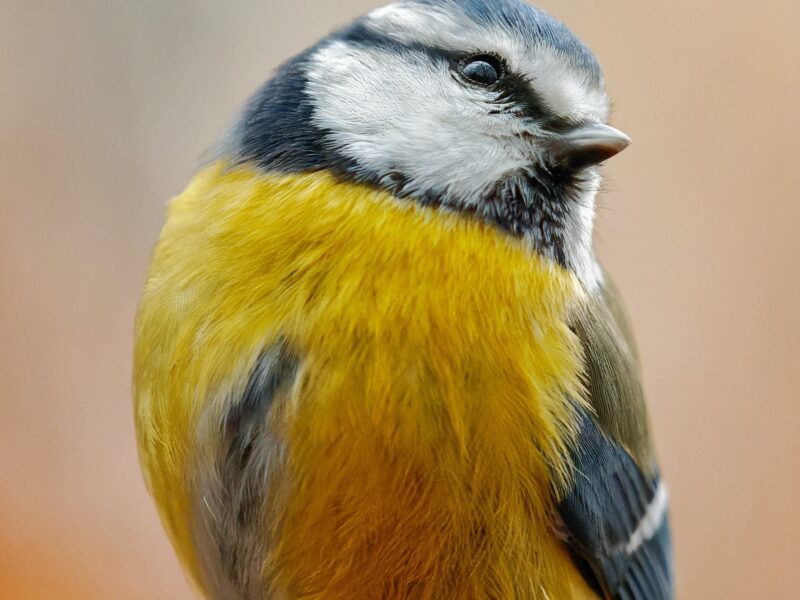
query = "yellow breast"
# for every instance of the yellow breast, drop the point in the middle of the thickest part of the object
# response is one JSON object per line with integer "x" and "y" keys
{"x": 427, "y": 431}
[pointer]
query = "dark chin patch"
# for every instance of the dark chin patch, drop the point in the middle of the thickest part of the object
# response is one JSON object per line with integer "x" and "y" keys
{"x": 528, "y": 204}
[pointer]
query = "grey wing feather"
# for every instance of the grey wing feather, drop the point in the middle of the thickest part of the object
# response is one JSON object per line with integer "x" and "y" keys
{"x": 230, "y": 497}
{"x": 616, "y": 514}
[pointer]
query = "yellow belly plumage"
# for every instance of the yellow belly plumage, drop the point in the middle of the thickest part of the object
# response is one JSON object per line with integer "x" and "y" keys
{"x": 427, "y": 431}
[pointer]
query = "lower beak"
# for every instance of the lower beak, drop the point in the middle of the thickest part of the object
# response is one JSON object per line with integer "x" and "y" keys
{"x": 587, "y": 145}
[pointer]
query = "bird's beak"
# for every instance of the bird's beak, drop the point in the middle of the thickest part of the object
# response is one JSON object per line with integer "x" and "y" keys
{"x": 587, "y": 145}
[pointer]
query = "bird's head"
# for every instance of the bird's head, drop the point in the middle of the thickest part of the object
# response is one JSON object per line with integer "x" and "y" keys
{"x": 489, "y": 107}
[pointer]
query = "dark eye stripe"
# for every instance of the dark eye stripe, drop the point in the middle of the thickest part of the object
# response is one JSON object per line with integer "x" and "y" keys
{"x": 526, "y": 102}
{"x": 513, "y": 88}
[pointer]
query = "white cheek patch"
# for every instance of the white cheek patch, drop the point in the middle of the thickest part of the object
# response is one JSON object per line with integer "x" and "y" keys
{"x": 554, "y": 76}
{"x": 401, "y": 111}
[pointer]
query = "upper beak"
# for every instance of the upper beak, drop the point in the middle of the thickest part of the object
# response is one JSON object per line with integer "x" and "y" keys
{"x": 587, "y": 145}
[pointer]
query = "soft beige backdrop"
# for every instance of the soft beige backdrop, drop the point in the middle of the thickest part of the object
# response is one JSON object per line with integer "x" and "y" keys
{"x": 105, "y": 106}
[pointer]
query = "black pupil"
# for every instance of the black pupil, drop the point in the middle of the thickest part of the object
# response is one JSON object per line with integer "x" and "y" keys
{"x": 481, "y": 71}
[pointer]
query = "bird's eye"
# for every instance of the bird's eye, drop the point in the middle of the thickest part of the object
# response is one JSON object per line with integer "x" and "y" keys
{"x": 484, "y": 70}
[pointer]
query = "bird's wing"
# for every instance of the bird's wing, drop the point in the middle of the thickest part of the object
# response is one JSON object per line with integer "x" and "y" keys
{"x": 616, "y": 523}
{"x": 232, "y": 489}
{"x": 615, "y": 516}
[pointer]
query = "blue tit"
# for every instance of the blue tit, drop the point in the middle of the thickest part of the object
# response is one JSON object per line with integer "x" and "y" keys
{"x": 376, "y": 356}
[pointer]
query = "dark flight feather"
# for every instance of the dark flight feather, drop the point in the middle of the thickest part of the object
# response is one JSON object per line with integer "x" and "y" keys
{"x": 615, "y": 516}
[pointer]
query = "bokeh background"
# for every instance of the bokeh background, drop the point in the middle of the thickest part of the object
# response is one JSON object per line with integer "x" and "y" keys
{"x": 105, "y": 107}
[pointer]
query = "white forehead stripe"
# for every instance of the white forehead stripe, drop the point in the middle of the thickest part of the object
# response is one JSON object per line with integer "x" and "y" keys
{"x": 565, "y": 89}
{"x": 400, "y": 19}
{"x": 411, "y": 23}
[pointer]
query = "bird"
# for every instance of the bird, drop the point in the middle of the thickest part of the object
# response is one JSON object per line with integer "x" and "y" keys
{"x": 376, "y": 356}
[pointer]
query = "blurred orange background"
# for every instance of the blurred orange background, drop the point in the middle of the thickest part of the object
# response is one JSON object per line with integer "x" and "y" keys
{"x": 105, "y": 108}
